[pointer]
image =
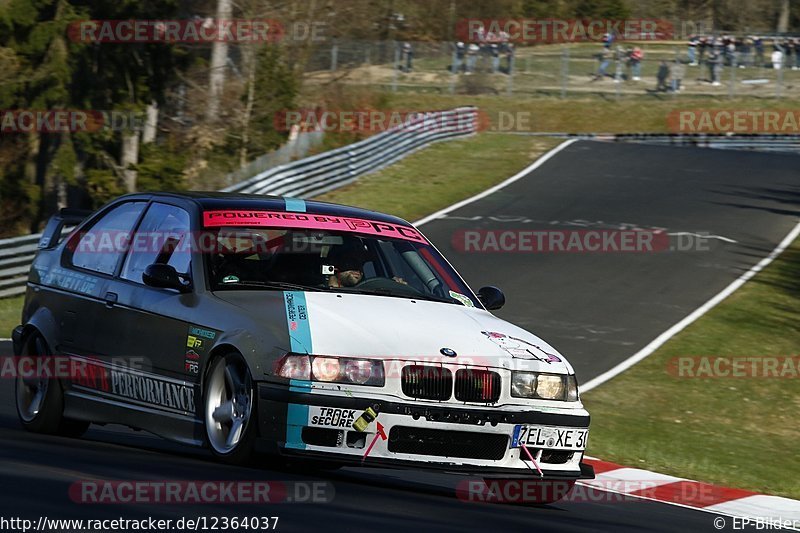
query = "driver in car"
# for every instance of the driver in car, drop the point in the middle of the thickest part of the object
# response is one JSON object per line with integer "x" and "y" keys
{"x": 348, "y": 260}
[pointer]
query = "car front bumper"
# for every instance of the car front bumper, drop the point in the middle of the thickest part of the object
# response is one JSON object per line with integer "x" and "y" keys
{"x": 453, "y": 438}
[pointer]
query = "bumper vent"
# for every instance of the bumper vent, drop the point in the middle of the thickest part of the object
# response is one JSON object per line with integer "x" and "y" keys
{"x": 427, "y": 382}
{"x": 477, "y": 386}
{"x": 443, "y": 443}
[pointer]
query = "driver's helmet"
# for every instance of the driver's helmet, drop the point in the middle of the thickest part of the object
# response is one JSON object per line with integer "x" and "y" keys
{"x": 350, "y": 255}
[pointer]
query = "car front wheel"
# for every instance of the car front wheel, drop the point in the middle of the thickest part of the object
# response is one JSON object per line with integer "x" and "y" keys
{"x": 230, "y": 410}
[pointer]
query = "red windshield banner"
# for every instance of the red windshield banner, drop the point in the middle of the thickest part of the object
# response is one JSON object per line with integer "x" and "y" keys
{"x": 280, "y": 219}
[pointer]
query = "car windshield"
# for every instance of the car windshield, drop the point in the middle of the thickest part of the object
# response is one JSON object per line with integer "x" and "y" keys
{"x": 318, "y": 260}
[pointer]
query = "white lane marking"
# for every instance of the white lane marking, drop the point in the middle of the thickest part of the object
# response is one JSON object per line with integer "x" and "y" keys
{"x": 704, "y": 236}
{"x": 5, "y": 340}
{"x": 697, "y": 313}
{"x": 521, "y": 174}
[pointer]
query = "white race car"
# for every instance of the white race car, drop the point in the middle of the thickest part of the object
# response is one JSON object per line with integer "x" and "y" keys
{"x": 300, "y": 328}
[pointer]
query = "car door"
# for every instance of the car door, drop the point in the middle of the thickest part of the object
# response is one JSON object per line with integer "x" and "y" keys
{"x": 90, "y": 259}
{"x": 150, "y": 328}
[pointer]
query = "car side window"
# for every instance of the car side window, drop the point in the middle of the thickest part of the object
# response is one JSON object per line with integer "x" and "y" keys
{"x": 101, "y": 246}
{"x": 162, "y": 237}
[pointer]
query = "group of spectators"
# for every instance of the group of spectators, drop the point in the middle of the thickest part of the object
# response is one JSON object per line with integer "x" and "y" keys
{"x": 630, "y": 57}
{"x": 487, "y": 53}
{"x": 750, "y": 51}
{"x": 714, "y": 52}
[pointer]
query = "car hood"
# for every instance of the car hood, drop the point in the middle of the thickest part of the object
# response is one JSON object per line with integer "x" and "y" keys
{"x": 403, "y": 329}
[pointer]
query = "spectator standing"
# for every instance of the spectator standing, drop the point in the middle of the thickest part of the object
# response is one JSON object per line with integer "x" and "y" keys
{"x": 678, "y": 70}
{"x": 510, "y": 58}
{"x": 604, "y": 58}
{"x": 472, "y": 57}
{"x": 714, "y": 66}
{"x": 702, "y": 46}
{"x": 494, "y": 52}
{"x": 458, "y": 63}
{"x": 788, "y": 51}
{"x": 662, "y": 76}
{"x": 777, "y": 58}
{"x": 730, "y": 51}
{"x": 745, "y": 52}
{"x": 636, "y": 63}
{"x": 758, "y": 44}
{"x": 692, "y": 50}
{"x": 408, "y": 56}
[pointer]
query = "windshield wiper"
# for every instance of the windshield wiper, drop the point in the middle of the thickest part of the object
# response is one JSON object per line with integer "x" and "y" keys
{"x": 389, "y": 292}
{"x": 280, "y": 285}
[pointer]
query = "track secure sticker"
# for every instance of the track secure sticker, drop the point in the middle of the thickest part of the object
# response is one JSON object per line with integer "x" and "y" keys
{"x": 331, "y": 417}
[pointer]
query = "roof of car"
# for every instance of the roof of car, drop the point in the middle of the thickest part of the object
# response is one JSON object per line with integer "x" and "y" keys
{"x": 209, "y": 201}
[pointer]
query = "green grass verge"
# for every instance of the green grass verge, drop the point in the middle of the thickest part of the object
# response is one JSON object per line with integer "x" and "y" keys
{"x": 639, "y": 114}
{"x": 10, "y": 312}
{"x": 442, "y": 174}
{"x": 733, "y": 431}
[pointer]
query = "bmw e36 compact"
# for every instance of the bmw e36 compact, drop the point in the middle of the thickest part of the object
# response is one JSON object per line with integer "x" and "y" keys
{"x": 270, "y": 325}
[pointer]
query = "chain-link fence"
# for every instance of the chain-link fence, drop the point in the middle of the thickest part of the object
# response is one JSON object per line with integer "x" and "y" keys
{"x": 555, "y": 70}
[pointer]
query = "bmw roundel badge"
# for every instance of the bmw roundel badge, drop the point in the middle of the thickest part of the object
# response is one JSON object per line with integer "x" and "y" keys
{"x": 448, "y": 352}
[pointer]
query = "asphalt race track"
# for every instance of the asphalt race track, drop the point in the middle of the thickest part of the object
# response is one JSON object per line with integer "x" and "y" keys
{"x": 598, "y": 309}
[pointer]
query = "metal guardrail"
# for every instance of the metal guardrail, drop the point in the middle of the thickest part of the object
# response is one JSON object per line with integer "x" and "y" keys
{"x": 330, "y": 170}
{"x": 303, "y": 178}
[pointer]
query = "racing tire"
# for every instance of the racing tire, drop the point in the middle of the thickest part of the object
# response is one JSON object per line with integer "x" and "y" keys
{"x": 40, "y": 400}
{"x": 230, "y": 410}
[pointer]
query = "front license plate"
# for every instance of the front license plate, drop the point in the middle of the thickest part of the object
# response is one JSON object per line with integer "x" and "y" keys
{"x": 551, "y": 438}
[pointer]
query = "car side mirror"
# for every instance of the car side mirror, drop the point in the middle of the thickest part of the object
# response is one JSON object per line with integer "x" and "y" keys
{"x": 164, "y": 276}
{"x": 492, "y": 298}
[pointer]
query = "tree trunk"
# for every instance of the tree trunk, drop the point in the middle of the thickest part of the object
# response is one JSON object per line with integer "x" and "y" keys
{"x": 783, "y": 17}
{"x": 248, "y": 110}
{"x": 219, "y": 59}
{"x": 151, "y": 123}
{"x": 130, "y": 156}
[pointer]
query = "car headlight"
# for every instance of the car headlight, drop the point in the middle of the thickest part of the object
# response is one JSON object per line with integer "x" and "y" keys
{"x": 544, "y": 386}
{"x": 332, "y": 369}
{"x": 523, "y": 384}
{"x": 572, "y": 388}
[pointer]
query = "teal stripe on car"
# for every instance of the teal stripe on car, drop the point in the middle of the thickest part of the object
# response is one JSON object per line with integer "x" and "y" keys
{"x": 295, "y": 204}
{"x": 300, "y": 342}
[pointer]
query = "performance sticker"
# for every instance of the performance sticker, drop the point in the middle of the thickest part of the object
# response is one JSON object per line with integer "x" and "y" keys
{"x": 281, "y": 219}
{"x": 518, "y": 348}
{"x": 461, "y": 298}
{"x": 132, "y": 385}
{"x": 331, "y": 417}
{"x": 197, "y": 342}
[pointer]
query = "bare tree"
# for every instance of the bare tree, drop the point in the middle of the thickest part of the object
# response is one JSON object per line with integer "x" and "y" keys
{"x": 783, "y": 17}
{"x": 219, "y": 60}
